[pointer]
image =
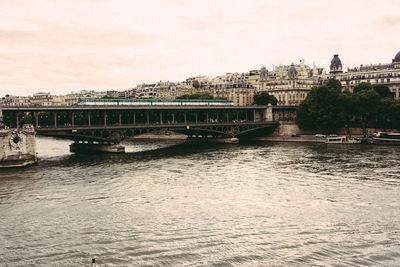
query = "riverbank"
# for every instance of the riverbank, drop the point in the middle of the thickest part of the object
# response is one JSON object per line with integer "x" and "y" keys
{"x": 174, "y": 136}
{"x": 303, "y": 138}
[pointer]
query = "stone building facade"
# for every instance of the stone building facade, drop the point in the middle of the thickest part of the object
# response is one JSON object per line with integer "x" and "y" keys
{"x": 290, "y": 84}
{"x": 240, "y": 93}
{"x": 377, "y": 74}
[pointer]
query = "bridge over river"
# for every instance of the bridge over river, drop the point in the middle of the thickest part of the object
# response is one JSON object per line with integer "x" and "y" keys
{"x": 108, "y": 125}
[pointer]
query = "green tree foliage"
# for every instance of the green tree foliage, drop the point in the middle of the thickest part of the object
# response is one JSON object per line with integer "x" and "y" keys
{"x": 362, "y": 87}
{"x": 346, "y": 109}
{"x": 220, "y": 98}
{"x": 372, "y": 105}
{"x": 394, "y": 115}
{"x": 327, "y": 108}
{"x": 365, "y": 102}
{"x": 264, "y": 98}
{"x": 202, "y": 96}
{"x": 334, "y": 84}
{"x": 321, "y": 110}
{"x": 383, "y": 91}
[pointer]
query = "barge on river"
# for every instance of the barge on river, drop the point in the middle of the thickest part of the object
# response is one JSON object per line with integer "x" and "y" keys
{"x": 386, "y": 138}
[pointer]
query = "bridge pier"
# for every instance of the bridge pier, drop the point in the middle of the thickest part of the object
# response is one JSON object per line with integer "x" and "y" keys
{"x": 36, "y": 119}
{"x": 17, "y": 120}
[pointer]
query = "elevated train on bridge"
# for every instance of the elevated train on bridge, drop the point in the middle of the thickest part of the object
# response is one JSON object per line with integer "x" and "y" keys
{"x": 152, "y": 102}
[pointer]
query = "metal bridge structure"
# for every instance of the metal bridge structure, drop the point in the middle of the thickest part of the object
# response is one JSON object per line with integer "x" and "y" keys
{"x": 109, "y": 124}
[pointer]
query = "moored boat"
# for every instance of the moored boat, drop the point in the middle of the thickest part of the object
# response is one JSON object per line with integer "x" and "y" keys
{"x": 342, "y": 140}
{"x": 386, "y": 138}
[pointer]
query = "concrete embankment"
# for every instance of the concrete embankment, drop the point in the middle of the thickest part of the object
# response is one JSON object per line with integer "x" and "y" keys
{"x": 290, "y": 132}
{"x": 303, "y": 138}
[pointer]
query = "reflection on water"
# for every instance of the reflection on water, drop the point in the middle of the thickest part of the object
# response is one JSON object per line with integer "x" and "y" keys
{"x": 167, "y": 204}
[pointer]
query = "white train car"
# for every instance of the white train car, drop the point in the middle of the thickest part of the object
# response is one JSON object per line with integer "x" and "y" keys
{"x": 152, "y": 102}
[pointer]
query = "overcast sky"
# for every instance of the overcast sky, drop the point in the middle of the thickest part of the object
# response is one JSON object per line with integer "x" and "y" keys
{"x": 58, "y": 45}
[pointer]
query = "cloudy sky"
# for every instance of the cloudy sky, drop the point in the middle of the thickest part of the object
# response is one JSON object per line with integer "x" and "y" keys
{"x": 58, "y": 46}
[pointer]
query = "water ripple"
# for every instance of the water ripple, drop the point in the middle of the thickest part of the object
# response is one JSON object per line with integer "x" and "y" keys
{"x": 252, "y": 204}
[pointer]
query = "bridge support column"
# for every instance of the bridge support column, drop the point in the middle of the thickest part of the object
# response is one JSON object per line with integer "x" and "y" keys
{"x": 227, "y": 116}
{"x": 73, "y": 119}
{"x": 254, "y": 115}
{"x": 37, "y": 119}
{"x": 196, "y": 116}
{"x": 134, "y": 118}
{"x": 247, "y": 116}
{"x": 32, "y": 117}
{"x": 148, "y": 117}
{"x": 89, "y": 122}
{"x": 269, "y": 116}
{"x": 55, "y": 119}
{"x": 217, "y": 116}
{"x": 105, "y": 118}
{"x": 173, "y": 117}
{"x": 120, "y": 118}
{"x": 237, "y": 116}
{"x": 207, "y": 117}
{"x": 160, "y": 117}
{"x": 184, "y": 116}
{"x": 17, "y": 119}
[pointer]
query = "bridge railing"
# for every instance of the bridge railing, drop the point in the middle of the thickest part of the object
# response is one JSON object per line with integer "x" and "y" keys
{"x": 151, "y": 124}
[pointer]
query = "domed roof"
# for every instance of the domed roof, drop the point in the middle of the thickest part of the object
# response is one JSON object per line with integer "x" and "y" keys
{"x": 292, "y": 72}
{"x": 397, "y": 57}
{"x": 336, "y": 63}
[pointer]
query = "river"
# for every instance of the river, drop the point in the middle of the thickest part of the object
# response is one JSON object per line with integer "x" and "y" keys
{"x": 252, "y": 204}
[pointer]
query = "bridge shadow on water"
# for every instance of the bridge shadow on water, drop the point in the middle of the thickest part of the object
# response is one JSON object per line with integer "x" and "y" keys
{"x": 154, "y": 151}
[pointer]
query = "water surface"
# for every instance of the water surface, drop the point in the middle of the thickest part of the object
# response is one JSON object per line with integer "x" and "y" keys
{"x": 253, "y": 204}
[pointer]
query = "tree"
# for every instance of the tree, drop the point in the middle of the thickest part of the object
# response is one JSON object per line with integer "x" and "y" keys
{"x": 362, "y": 87}
{"x": 185, "y": 96}
{"x": 383, "y": 114}
{"x": 394, "y": 115}
{"x": 334, "y": 84}
{"x": 346, "y": 109}
{"x": 326, "y": 108}
{"x": 366, "y": 102}
{"x": 202, "y": 96}
{"x": 264, "y": 98}
{"x": 320, "y": 110}
{"x": 383, "y": 91}
{"x": 373, "y": 105}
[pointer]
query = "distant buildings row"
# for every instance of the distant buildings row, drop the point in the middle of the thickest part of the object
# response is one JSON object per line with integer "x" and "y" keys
{"x": 290, "y": 84}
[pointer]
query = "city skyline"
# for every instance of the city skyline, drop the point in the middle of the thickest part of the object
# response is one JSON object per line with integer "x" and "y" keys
{"x": 60, "y": 46}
